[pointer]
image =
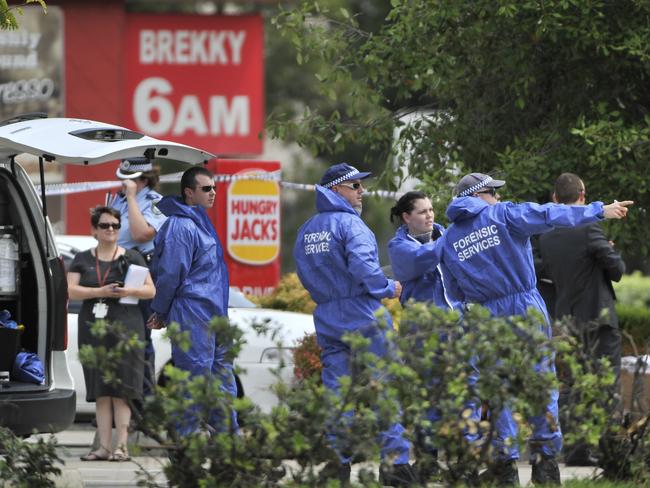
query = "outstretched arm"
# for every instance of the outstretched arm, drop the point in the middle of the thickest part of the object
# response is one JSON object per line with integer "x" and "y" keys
{"x": 527, "y": 219}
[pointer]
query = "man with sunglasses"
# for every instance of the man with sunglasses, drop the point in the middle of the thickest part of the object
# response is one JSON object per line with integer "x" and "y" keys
{"x": 582, "y": 263}
{"x": 337, "y": 262}
{"x": 488, "y": 255}
{"x": 191, "y": 281}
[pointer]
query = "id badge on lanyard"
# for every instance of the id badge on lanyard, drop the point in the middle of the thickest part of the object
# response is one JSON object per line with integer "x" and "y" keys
{"x": 100, "y": 310}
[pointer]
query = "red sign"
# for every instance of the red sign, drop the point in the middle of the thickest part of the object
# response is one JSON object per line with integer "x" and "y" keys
{"x": 246, "y": 215}
{"x": 198, "y": 80}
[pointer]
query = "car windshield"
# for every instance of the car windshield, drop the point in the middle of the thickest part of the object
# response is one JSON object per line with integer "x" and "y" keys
{"x": 239, "y": 300}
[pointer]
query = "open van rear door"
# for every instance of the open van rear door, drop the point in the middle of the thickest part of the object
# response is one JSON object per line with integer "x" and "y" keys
{"x": 86, "y": 142}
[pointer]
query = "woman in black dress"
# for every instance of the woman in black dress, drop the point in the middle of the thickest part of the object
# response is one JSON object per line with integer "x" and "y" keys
{"x": 97, "y": 277}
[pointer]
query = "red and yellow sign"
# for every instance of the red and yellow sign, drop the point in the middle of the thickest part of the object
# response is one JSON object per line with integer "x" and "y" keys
{"x": 247, "y": 218}
{"x": 253, "y": 219}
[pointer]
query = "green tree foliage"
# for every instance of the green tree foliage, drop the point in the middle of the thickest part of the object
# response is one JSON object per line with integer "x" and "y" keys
{"x": 25, "y": 464}
{"x": 526, "y": 88}
{"x": 7, "y": 13}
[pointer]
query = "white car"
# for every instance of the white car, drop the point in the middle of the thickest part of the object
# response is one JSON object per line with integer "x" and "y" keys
{"x": 258, "y": 358}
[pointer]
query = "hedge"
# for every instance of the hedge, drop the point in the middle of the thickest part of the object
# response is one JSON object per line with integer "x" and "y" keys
{"x": 633, "y": 289}
{"x": 632, "y": 292}
{"x": 635, "y": 322}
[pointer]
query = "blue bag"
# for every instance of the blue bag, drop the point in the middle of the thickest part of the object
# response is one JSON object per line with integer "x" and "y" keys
{"x": 28, "y": 368}
{"x": 5, "y": 320}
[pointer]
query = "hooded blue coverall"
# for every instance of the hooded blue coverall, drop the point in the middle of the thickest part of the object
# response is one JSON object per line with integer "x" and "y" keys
{"x": 488, "y": 254}
{"x": 337, "y": 262}
{"x": 191, "y": 281}
{"x": 417, "y": 267}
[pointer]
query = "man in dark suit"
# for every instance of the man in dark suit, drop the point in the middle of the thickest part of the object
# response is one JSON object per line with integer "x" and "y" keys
{"x": 582, "y": 263}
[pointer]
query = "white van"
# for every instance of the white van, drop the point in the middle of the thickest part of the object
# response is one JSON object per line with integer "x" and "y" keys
{"x": 33, "y": 286}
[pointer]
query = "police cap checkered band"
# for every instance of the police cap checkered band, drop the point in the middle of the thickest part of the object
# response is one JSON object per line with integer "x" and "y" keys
{"x": 134, "y": 167}
{"x": 473, "y": 182}
{"x": 341, "y": 172}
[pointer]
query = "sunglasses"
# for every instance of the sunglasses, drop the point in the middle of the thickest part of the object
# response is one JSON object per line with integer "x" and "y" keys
{"x": 106, "y": 226}
{"x": 351, "y": 186}
{"x": 208, "y": 188}
{"x": 489, "y": 191}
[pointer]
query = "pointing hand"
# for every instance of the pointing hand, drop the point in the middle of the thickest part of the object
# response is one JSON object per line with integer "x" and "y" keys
{"x": 616, "y": 210}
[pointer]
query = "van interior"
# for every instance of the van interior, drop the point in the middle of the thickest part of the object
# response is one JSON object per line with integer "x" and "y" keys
{"x": 24, "y": 267}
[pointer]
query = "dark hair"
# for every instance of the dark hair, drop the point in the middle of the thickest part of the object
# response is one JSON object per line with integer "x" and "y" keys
{"x": 568, "y": 187}
{"x": 188, "y": 180}
{"x": 405, "y": 204}
{"x": 97, "y": 212}
{"x": 152, "y": 177}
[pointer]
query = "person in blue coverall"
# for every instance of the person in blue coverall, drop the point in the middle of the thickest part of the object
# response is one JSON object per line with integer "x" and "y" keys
{"x": 488, "y": 254}
{"x": 413, "y": 250}
{"x": 337, "y": 262}
{"x": 414, "y": 255}
{"x": 140, "y": 219}
{"x": 191, "y": 281}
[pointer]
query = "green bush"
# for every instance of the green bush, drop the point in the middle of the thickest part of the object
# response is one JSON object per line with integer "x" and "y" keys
{"x": 26, "y": 464}
{"x": 289, "y": 295}
{"x": 634, "y": 290}
{"x": 434, "y": 351}
{"x": 633, "y": 310}
{"x": 635, "y": 323}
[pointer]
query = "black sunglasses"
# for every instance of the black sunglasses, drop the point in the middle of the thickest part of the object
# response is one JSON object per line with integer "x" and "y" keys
{"x": 105, "y": 225}
{"x": 490, "y": 191}
{"x": 208, "y": 188}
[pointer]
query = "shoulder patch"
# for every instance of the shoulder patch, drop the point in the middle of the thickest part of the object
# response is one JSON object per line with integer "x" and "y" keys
{"x": 154, "y": 208}
{"x": 153, "y": 195}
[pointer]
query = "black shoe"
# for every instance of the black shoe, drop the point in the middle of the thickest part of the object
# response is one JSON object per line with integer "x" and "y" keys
{"x": 546, "y": 472}
{"x": 397, "y": 475}
{"x": 334, "y": 470}
{"x": 587, "y": 460}
{"x": 501, "y": 473}
{"x": 579, "y": 455}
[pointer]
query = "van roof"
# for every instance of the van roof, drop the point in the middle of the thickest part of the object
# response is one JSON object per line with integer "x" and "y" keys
{"x": 87, "y": 142}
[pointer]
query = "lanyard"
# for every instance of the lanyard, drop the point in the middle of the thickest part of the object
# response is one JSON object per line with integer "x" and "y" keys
{"x": 100, "y": 280}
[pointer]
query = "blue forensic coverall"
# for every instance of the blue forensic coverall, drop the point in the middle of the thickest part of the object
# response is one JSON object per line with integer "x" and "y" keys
{"x": 417, "y": 267}
{"x": 488, "y": 254}
{"x": 191, "y": 281}
{"x": 337, "y": 261}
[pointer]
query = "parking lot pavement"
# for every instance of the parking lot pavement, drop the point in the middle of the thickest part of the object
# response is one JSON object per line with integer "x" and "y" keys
{"x": 78, "y": 474}
{"x": 76, "y": 442}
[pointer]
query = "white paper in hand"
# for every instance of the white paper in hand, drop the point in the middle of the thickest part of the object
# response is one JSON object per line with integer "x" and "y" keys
{"x": 134, "y": 278}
